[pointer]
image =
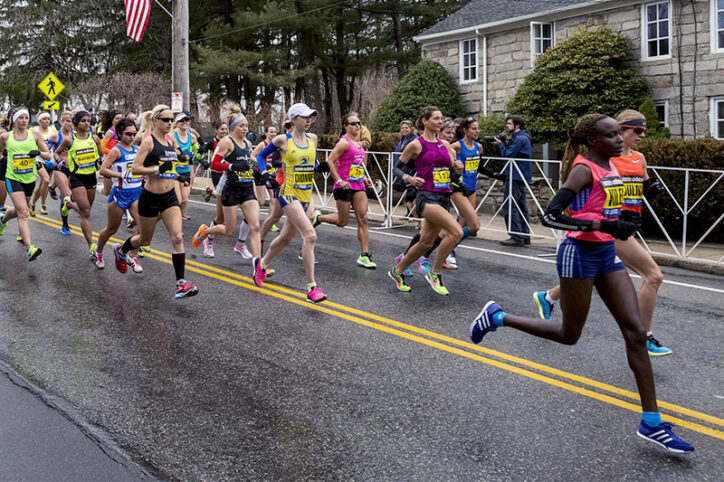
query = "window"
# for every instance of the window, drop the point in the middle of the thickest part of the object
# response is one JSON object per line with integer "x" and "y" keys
{"x": 541, "y": 39}
{"x": 717, "y": 26}
{"x": 468, "y": 60}
{"x": 717, "y": 117}
{"x": 662, "y": 111}
{"x": 656, "y": 35}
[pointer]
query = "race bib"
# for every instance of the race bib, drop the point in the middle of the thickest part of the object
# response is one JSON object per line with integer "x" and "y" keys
{"x": 615, "y": 190}
{"x": 85, "y": 158}
{"x": 441, "y": 177}
{"x": 356, "y": 173}
{"x": 303, "y": 177}
{"x": 472, "y": 163}
{"x": 129, "y": 173}
{"x": 634, "y": 193}
{"x": 22, "y": 164}
{"x": 248, "y": 174}
{"x": 168, "y": 174}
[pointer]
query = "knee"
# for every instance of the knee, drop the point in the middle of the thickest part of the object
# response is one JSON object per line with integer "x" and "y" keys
{"x": 457, "y": 235}
{"x": 362, "y": 219}
{"x": 654, "y": 278}
{"x": 342, "y": 221}
{"x": 635, "y": 337}
{"x": 426, "y": 243}
{"x": 310, "y": 237}
{"x": 85, "y": 211}
{"x": 22, "y": 213}
{"x": 570, "y": 337}
{"x": 474, "y": 226}
{"x": 177, "y": 238}
{"x": 229, "y": 229}
{"x": 253, "y": 228}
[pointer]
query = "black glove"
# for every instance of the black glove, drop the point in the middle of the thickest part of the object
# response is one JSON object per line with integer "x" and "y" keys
{"x": 240, "y": 166}
{"x": 499, "y": 176}
{"x": 630, "y": 217}
{"x": 652, "y": 188}
{"x": 183, "y": 157}
{"x": 205, "y": 164}
{"x": 34, "y": 153}
{"x": 165, "y": 166}
{"x": 269, "y": 181}
{"x": 323, "y": 167}
{"x": 618, "y": 229}
{"x": 276, "y": 163}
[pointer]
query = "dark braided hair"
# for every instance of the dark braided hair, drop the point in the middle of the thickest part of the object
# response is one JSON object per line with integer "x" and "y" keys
{"x": 585, "y": 129}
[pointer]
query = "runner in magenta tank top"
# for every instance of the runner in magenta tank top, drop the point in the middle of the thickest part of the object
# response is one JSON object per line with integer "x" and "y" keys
{"x": 593, "y": 193}
{"x": 347, "y": 168}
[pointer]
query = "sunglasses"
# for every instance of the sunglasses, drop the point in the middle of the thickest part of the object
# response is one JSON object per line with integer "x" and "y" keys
{"x": 129, "y": 133}
{"x": 165, "y": 119}
{"x": 358, "y": 123}
{"x": 470, "y": 119}
{"x": 637, "y": 130}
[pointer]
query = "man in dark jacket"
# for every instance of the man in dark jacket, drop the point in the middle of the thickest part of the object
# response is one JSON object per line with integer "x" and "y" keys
{"x": 516, "y": 215}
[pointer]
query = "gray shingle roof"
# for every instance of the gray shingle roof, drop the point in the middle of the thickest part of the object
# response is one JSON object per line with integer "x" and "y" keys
{"x": 479, "y": 12}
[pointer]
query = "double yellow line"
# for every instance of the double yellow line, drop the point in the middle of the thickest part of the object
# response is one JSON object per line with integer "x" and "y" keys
{"x": 568, "y": 381}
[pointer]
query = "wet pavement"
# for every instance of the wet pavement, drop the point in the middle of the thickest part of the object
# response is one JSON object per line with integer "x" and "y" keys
{"x": 247, "y": 383}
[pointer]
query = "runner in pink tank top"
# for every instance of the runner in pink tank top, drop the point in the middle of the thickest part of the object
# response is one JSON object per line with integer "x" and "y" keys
{"x": 351, "y": 166}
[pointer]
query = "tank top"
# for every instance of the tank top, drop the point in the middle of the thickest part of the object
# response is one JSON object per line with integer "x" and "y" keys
{"x": 82, "y": 155}
{"x": 21, "y": 167}
{"x": 351, "y": 166}
{"x": 123, "y": 165}
{"x": 471, "y": 160}
{"x": 184, "y": 167}
{"x": 601, "y": 200}
{"x": 433, "y": 165}
{"x": 161, "y": 153}
{"x": 239, "y": 154}
{"x": 631, "y": 170}
{"x": 299, "y": 163}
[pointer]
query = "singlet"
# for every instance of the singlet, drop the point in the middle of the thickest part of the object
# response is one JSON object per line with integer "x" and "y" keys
{"x": 299, "y": 163}
{"x": 184, "y": 167}
{"x": 351, "y": 166}
{"x": 433, "y": 165}
{"x": 46, "y": 136}
{"x": 83, "y": 153}
{"x": 61, "y": 162}
{"x": 21, "y": 167}
{"x": 162, "y": 153}
{"x": 239, "y": 154}
{"x": 631, "y": 170}
{"x": 601, "y": 200}
{"x": 471, "y": 161}
{"x": 123, "y": 165}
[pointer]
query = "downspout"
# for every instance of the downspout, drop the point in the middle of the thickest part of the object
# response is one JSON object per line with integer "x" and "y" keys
{"x": 485, "y": 72}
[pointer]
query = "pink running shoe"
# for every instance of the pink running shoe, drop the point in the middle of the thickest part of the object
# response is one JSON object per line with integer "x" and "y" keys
{"x": 315, "y": 295}
{"x": 208, "y": 248}
{"x": 121, "y": 264}
{"x": 259, "y": 273}
{"x": 184, "y": 288}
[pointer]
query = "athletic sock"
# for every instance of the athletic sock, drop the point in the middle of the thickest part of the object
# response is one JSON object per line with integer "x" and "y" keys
{"x": 437, "y": 242}
{"x": 649, "y": 333}
{"x": 243, "y": 232}
{"x": 498, "y": 318}
{"x": 65, "y": 221}
{"x": 466, "y": 233}
{"x": 549, "y": 299}
{"x": 179, "y": 263}
{"x": 652, "y": 419}
{"x": 263, "y": 264}
{"x": 210, "y": 237}
{"x": 413, "y": 242}
{"x": 127, "y": 247}
{"x": 310, "y": 286}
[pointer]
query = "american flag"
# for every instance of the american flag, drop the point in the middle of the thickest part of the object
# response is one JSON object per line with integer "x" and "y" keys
{"x": 137, "y": 13}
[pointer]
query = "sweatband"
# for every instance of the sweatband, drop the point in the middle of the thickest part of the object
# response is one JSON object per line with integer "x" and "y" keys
{"x": 19, "y": 113}
{"x": 236, "y": 121}
{"x": 633, "y": 123}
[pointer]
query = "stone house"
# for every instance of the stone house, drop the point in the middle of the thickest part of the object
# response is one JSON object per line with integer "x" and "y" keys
{"x": 489, "y": 46}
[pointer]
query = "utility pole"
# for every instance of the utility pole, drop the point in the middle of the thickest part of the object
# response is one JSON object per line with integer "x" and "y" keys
{"x": 180, "y": 51}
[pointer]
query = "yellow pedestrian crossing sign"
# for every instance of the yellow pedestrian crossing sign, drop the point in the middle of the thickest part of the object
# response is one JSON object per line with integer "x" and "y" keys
{"x": 51, "y": 86}
{"x": 51, "y": 105}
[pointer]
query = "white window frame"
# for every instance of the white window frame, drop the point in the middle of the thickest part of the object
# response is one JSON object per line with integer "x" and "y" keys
{"x": 645, "y": 32}
{"x": 474, "y": 65}
{"x": 714, "y": 27}
{"x": 664, "y": 103}
{"x": 713, "y": 120}
{"x": 533, "y": 38}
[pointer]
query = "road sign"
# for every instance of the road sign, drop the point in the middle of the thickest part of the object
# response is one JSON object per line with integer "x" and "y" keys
{"x": 51, "y": 105}
{"x": 51, "y": 86}
{"x": 177, "y": 101}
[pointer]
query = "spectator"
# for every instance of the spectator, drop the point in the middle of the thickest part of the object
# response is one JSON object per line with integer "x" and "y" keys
{"x": 407, "y": 135}
{"x": 519, "y": 147}
{"x": 365, "y": 137}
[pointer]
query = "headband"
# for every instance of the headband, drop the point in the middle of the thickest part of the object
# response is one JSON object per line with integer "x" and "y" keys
{"x": 79, "y": 115}
{"x": 44, "y": 115}
{"x": 632, "y": 124}
{"x": 19, "y": 113}
{"x": 236, "y": 121}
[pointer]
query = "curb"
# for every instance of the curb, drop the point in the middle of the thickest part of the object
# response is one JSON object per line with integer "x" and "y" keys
{"x": 697, "y": 266}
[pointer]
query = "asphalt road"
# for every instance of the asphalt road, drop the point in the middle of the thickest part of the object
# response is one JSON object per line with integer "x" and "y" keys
{"x": 247, "y": 383}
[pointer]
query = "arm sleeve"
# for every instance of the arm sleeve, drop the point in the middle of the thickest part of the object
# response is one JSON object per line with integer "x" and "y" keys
{"x": 267, "y": 151}
{"x": 400, "y": 169}
{"x": 218, "y": 164}
{"x": 554, "y": 217}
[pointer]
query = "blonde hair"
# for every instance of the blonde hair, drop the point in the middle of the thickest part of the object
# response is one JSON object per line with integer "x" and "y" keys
{"x": 628, "y": 115}
{"x": 447, "y": 123}
{"x": 146, "y": 121}
{"x": 65, "y": 115}
{"x": 230, "y": 112}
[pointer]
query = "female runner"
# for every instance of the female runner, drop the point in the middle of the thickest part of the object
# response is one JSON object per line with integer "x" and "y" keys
{"x": 61, "y": 174}
{"x": 221, "y": 131}
{"x": 44, "y": 173}
{"x": 184, "y": 140}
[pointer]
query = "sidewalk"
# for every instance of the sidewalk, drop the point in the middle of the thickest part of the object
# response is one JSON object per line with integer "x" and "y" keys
{"x": 38, "y": 441}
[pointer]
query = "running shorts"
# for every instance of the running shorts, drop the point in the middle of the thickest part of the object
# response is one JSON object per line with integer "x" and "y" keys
{"x": 427, "y": 197}
{"x": 587, "y": 259}
{"x": 3, "y": 167}
{"x": 216, "y": 177}
{"x": 287, "y": 200}
{"x": 16, "y": 186}
{"x": 236, "y": 193}
{"x": 257, "y": 179}
{"x": 124, "y": 197}
{"x": 345, "y": 195}
{"x": 88, "y": 181}
{"x": 151, "y": 204}
{"x": 183, "y": 177}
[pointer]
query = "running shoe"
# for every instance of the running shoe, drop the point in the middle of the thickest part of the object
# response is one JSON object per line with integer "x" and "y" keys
{"x": 64, "y": 209}
{"x": 3, "y": 227}
{"x": 130, "y": 222}
{"x": 315, "y": 295}
{"x": 3, "y": 208}
{"x": 269, "y": 272}
{"x": 31, "y": 208}
{"x": 408, "y": 271}
{"x": 484, "y": 323}
{"x": 399, "y": 280}
{"x": 33, "y": 252}
{"x": 451, "y": 262}
{"x": 92, "y": 251}
{"x": 315, "y": 218}
{"x": 274, "y": 228}
{"x": 185, "y": 217}
{"x": 423, "y": 265}
{"x": 435, "y": 281}
{"x": 208, "y": 194}
{"x": 53, "y": 194}
{"x": 258, "y": 274}
{"x": 365, "y": 260}
{"x": 99, "y": 260}
{"x": 121, "y": 264}
{"x": 143, "y": 250}
{"x": 199, "y": 236}
{"x": 44, "y": 210}
{"x": 301, "y": 258}
{"x": 208, "y": 248}
{"x": 242, "y": 250}
{"x": 65, "y": 230}
{"x": 663, "y": 436}
{"x": 544, "y": 307}
{"x": 134, "y": 264}
{"x": 656, "y": 348}
{"x": 184, "y": 288}
{"x": 19, "y": 238}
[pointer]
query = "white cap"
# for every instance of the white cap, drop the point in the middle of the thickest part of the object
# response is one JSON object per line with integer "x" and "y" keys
{"x": 300, "y": 110}
{"x": 181, "y": 116}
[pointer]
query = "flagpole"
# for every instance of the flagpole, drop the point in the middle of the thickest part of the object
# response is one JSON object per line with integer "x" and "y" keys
{"x": 180, "y": 52}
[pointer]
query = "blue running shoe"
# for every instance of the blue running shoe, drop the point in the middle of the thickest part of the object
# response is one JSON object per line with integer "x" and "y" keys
{"x": 655, "y": 348}
{"x": 408, "y": 271}
{"x": 663, "y": 435}
{"x": 423, "y": 265}
{"x": 544, "y": 307}
{"x": 485, "y": 323}
{"x": 3, "y": 208}
{"x": 65, "y": 230}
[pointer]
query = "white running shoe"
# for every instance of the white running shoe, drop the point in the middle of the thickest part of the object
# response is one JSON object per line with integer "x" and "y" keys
{"x": 134, "y": 264}
{"x": 243, "y": 251}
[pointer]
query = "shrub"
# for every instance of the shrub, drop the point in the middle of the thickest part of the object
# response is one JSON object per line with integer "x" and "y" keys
{"x": 655, "y": 130}
{"x": 427, "y": 83}
{"x": 590, "y": 72}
